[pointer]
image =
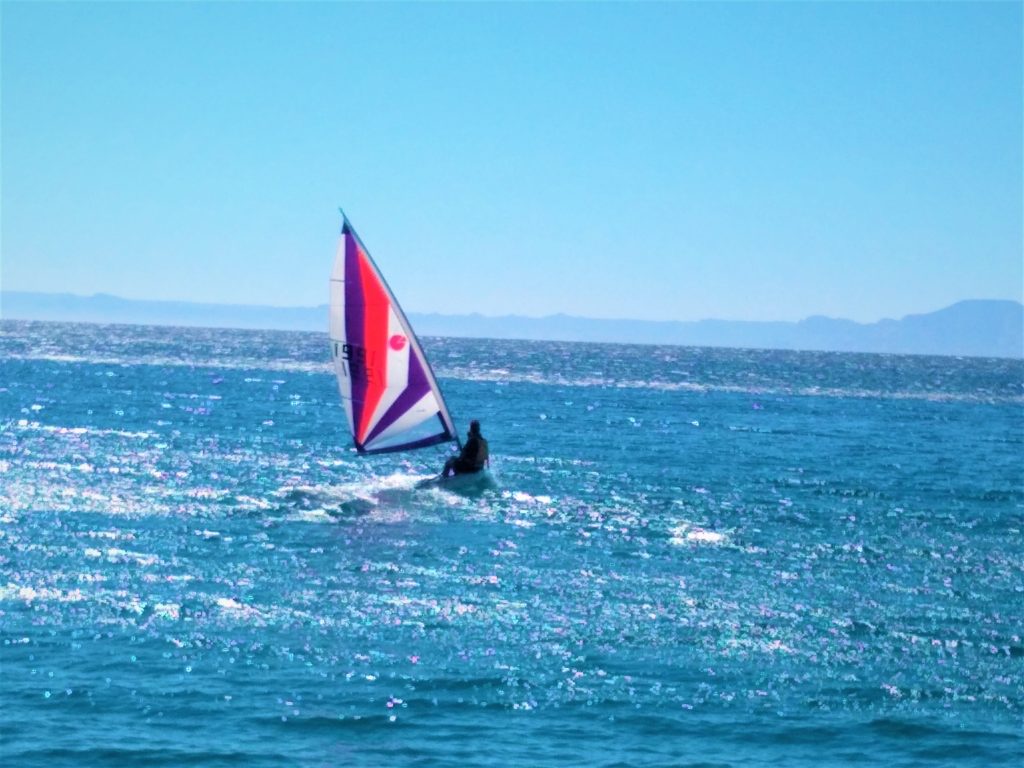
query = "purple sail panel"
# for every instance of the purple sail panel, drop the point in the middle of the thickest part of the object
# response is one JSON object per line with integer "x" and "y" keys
{"x": 355, "y": 303}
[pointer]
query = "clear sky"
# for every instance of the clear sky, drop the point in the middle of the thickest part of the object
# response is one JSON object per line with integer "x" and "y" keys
{"x": 657, "y": 161}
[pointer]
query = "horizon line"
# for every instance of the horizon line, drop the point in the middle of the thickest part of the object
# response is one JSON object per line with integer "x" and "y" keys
{"x": 325, "y": 305}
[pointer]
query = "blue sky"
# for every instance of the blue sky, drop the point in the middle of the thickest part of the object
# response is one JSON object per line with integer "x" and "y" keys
{"x": 654, "y": 161}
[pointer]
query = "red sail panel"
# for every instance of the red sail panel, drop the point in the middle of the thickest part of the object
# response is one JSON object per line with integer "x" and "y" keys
{"x": 375, "y": 336}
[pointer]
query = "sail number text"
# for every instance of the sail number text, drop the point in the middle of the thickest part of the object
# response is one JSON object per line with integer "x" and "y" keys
{"x": 356, "y": 362}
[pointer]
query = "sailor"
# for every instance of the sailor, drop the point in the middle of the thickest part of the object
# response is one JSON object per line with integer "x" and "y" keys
{"x": 474, "y": 456}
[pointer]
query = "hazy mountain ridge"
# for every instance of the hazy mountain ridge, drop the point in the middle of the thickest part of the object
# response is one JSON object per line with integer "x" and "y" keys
{"x": 982, "y": 328}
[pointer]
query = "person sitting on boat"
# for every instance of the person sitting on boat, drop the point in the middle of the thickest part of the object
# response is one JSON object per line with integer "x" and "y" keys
{"x": 474, "y": 456}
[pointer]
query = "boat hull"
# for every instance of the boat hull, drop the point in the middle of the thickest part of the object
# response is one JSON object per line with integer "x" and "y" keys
{"x": 467, "y": 483}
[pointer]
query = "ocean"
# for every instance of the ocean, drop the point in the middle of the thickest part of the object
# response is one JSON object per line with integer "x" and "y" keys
{"x": 694, "y": 557}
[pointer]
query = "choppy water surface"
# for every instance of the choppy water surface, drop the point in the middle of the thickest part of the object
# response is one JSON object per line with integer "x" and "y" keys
{"x": 695, "y": 556}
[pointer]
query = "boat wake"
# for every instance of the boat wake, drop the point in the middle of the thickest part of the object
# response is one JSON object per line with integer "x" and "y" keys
{"x": 385, "y": 496}
{"x": 323, "y": 503}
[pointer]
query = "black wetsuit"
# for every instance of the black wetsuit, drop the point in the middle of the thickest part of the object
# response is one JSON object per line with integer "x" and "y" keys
{"x": 474, "y": 455}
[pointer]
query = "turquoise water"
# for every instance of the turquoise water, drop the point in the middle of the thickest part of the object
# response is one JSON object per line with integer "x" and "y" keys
{"x": 695, "y": 557}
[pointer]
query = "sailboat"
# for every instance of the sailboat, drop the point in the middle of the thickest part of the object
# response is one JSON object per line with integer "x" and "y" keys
{"x": 391, "y": 397}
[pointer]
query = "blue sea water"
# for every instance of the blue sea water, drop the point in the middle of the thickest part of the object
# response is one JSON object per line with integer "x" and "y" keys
{"x": 694, "y": 557}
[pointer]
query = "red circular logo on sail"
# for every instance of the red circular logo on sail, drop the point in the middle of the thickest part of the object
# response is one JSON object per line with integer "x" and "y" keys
{"x": 397, "y": 342}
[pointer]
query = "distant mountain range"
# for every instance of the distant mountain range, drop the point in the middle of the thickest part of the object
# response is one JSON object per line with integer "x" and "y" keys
{"x": 978, "y": 328}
